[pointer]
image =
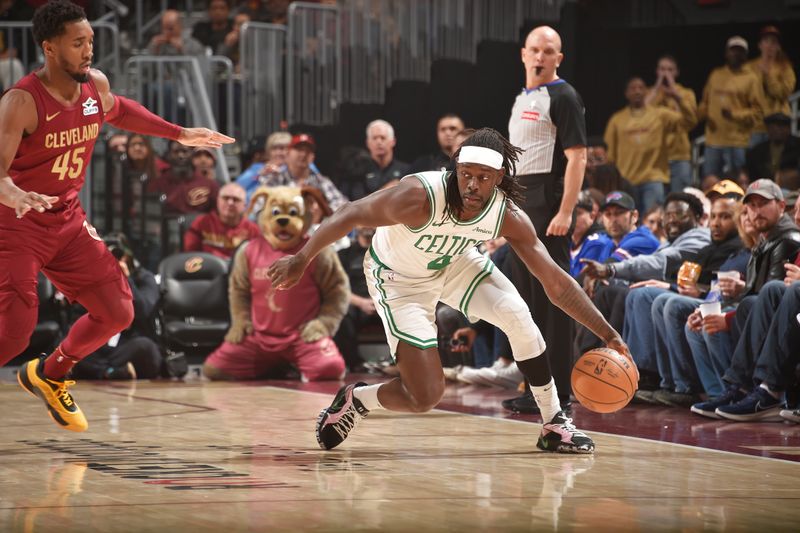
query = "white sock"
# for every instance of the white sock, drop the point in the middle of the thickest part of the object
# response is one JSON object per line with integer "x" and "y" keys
{"x": 547, "y": 399}
{"x": 368, "y": 396}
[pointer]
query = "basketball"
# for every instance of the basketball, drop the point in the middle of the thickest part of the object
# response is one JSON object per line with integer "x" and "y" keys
{"x": 603, "y": 380}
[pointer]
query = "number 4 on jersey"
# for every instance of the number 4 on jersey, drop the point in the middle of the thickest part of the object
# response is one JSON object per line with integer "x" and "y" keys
{"x": 69, "y": 163}
{"x": 440, "y": 262}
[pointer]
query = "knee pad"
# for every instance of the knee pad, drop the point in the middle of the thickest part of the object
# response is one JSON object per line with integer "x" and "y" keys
{"x": 516, "y": 322}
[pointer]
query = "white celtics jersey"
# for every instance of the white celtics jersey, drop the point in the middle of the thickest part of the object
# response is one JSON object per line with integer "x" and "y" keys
{"x": 423, "y": 252}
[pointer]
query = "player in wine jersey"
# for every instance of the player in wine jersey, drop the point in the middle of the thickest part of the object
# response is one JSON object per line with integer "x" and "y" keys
{"x": 424, "y": 252}
{"x": 49, "y": 122}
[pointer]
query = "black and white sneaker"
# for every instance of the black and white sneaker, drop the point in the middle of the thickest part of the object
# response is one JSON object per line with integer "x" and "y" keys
{"x": 560, "y": 435}
{"x": 337, "y": 421}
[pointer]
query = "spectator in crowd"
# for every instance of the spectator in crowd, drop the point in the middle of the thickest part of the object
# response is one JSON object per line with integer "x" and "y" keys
{"x": 132, "y": 353}
{"x": 725, "y": 188}
{"x": 221, "y": 231}
{"x": 619, "y": 216}
{"x": 276, "y": 148}
{"x": 140, "y": 168}
{"x": 382, "y": 168}
{"x": 188, "y": 186}
{"x": 711, "y": 339}
{"x": 588, "y": 240}
{"x": 361, "y": 310}
{"x": 779, "y": 243}
{"x": 637, "y": 138}
{"x": 596, "y": 153}
{"x": 732, "y": 108}
{"x": 779, "y": 153}
{"x": 776, "y": 74}
{"x": 213, "y": 32}
{"x": 670, "y": 94}
{"x": 298, "y": 172}
{"x": 645, "y": 314}
{"x": 654, "y": 220}
{"x": 171, "y": 41}
{"x": 447, "y": 127}
{"x": 230, "y": 45}
{"x": 257, "y": 10}
{"x": 606, "y": 178}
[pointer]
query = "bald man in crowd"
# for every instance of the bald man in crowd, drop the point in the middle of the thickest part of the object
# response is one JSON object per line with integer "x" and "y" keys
{"x": 221, "y": 231}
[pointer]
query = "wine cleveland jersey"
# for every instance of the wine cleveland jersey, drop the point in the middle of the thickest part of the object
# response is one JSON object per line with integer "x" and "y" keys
{"x": 53, "y": 159}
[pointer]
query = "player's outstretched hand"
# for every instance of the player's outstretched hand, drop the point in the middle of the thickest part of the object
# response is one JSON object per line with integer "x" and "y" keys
{"x": 33, "y": 200}
{"x": 286, "y": 272}
{"x": 203, "y": 137}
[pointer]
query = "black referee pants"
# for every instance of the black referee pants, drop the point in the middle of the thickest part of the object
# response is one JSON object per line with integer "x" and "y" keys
{"x": 542, "y": 199}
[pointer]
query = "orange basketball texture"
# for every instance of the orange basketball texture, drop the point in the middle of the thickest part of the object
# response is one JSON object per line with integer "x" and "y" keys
{"x": 604, "y": 381}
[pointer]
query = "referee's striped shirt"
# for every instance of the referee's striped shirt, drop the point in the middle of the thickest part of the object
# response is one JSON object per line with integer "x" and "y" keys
{"x": 544, "y": 121}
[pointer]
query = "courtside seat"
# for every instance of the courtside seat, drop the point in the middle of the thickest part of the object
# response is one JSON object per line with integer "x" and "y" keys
{"x": 194, "y": 310}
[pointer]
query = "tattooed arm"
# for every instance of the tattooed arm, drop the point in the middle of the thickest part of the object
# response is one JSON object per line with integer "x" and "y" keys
{"x": 562, "y": 289}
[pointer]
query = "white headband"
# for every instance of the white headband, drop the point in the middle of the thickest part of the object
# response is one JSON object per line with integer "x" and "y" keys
{"x": 481, "y": 156}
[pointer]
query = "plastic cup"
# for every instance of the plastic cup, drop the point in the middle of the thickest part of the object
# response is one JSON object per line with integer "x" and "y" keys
{"x": 710, "y": 308}
{"x": 729, "y": 274}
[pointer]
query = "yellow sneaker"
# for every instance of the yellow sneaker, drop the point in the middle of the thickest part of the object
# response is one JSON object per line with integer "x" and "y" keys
{"x": 60, "y": 405}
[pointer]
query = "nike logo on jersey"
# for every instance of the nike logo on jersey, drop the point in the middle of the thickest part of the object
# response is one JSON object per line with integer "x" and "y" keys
{"x": 48, "y": 118}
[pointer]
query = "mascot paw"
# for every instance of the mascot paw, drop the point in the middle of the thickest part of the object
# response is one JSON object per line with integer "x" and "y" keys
{"x": 313, "y": 331}
{"x": 237, "y": 333}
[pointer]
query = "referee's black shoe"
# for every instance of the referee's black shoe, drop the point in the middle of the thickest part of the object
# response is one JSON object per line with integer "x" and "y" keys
{"x": 526, "y": 405}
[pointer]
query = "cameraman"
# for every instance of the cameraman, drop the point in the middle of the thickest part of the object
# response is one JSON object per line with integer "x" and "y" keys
{"x": 132, "y": 353}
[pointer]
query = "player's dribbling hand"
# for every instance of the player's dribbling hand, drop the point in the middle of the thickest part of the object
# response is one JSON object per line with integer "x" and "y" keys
{"x": 203, "y": 137}
{"x": 621, "y": 348}
{"x": 286, "y": 272}
{"x": 32, "y": 200}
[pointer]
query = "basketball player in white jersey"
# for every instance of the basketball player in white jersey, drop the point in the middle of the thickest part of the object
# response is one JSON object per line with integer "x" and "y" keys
{"x": 423, "y": 252}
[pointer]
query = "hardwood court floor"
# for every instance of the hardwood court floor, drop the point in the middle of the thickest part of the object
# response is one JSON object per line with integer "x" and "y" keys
{"x": 197, "y": 456}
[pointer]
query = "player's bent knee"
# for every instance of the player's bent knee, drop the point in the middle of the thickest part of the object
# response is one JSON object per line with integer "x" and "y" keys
{"x": 123, "y": 315}
{"x": 513, "y": 313}
{"x": 426, "y": 398}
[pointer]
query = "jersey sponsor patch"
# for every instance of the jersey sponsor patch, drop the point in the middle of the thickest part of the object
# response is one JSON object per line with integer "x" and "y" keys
{"x": 530, "y": 115}
{"x": 90, "y": 107}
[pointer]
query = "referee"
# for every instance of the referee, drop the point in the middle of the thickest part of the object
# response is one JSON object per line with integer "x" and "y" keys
{"x": 547, "y": 121}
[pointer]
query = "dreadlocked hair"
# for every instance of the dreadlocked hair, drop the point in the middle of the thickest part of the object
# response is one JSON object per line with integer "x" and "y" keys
{"x": 50, "y": 18}
{"x": 510, "y": 185}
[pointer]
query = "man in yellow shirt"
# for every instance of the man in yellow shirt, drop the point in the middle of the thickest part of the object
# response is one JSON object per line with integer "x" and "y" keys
{"x": 777, "y": 77}
{"x": 732, "y": 108}
{"x": 637, "y": 139}
{"x": 670, "y": 94}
